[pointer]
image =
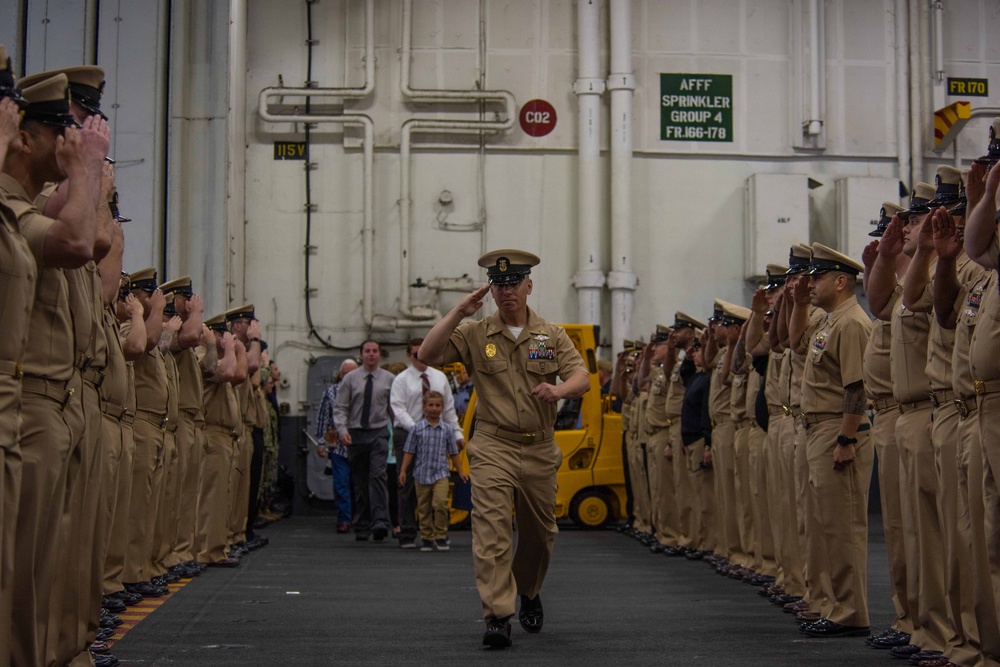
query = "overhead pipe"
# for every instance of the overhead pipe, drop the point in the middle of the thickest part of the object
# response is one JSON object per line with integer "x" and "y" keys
{"x": 621, "y": 82}
{"x": 918, "y": 47}
{"x": 938, "y": 7}
{"x": 236, "y": 127}
{"x": 415, "y": 125}
{"x": 814, "y": 126}
{"x": 902, "y": 46}
{"x": 589, "y": 87}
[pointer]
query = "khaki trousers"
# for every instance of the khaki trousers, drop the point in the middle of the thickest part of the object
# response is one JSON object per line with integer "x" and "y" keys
{"x": 922, "y": 531}
{"x": 663, "y": 496}
{"x": 705, "y": 525}
{"x": 165, "y": 525}
{"x": 972, "y": 526}
{"x": 963, "y": 645}
{"x": 804, "y": 514}
{"x": 10, "y": 490}
{"x": 764, "y": 553}
{"x": 240, "y": 483}
{"x": 743, "y": 504}
{"x": 190, "y": 449}
{"x": 785, "y": 504}
{"x": 724, "y": 462}
{"x": 640, "y": 485}
{"x": 114, "y": 564}
{"x": 513, "y": 518}
{"x": 884, "y": 439}
{"x": 144, "y": 497}
{"x": 50, "y": 432}
{"x": 214, "y": 495}
{"x": 432, "y": 509}
{"x": 684, "y": 491}
{"x": 839, "y": 504}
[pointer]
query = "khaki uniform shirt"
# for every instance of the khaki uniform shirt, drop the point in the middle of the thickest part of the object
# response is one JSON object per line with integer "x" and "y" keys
{"x": 114, "y": 389}
{"x": 151, "y": 388}
{"x": 798, "y": 364}
{"x": 221, "y": 407}
{"x": 675, "y": 394}
{"x": 835, "y": 352}
{"x": 719, "y": 394}
{"x": 643, "y": 428}
{"x": 908, "y": 353}
{"x": 191, "y": 391}
{"x": 754, "y": 381}
{"x": 656, "y": 407}
{"x": 50, "y": 354}
{"x": 984, "y": 362}
{"x": 505, "y": 369}
{"x": 173, "y": 411}
{"x": 772, "y": 381}
{"x": 967, "y": 306}
{"x": 785, "y": 378}
{"x": 942, "y": 341}
{"x": 17, "y": 297}
{"x": 878, "y": 372}
{"x": 627, "y": 401}
{"x": 738, "y": 392}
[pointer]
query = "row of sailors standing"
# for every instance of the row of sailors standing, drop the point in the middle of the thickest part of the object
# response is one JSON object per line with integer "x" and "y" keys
{"x": 127, "y": 427}
{"x": 805, "y": 390}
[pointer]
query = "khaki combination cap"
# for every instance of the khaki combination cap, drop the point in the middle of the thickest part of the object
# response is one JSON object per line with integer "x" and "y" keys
{"x": 775, "y": 276}
{"x": 732, "y": 313}
{"x": 508, "y": 266}
{"x": 243, "y": 312}
{"x": 661, "y": 334}
{"x": 922, "y": 193}
{"x": 827, "y": 259}
{"x": 885, "y": 215}
{"x": 798, "y": 259}
{"x": 683, "y": 320}
{"x": 86, "y": 85}
{"x": 947, "y": 186}
{"x": 963, "y": 201}
{"x": 48, "y": 102}
{"x": 993, "y": 149}
{"x": 181, "y": 286}
{"x": 143, "y": 279}
{"x": 217, "y": 323}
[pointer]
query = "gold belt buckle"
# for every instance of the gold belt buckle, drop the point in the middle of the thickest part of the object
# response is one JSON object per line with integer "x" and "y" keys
{"x": 963, "y": 409}
{"x": 529, "y": 438}
{"x": 934, "y": 400}
{"x": 980, "y": 387}
{"x": 163, "y": 424}
{"x": 18, "y": 371}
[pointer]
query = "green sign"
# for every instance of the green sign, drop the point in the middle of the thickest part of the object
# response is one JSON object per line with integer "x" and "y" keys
{"x": 969, "y": 87}
{"x": 290, "y": 150}
{"x": 696, "y": 107}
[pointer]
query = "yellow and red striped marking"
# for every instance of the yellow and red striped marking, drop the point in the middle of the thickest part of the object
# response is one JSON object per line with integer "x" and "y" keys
{"x": 947, "y": 117}
{"x": 134, "y": 615}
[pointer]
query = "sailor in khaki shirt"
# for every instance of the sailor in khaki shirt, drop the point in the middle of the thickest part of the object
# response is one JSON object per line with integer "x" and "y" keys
{"x": 516, "y": 358}
{"x": 838, "y": 446}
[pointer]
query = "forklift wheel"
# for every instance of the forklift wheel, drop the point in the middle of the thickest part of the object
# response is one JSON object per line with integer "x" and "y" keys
{"x": 591, "y": 509}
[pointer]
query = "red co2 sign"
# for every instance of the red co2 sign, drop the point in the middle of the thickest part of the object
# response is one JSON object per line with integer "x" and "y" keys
{"x": 538, "y": 118}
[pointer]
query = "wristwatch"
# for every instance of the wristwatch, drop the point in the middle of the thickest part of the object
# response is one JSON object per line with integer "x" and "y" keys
{"x": 844, "y": 441}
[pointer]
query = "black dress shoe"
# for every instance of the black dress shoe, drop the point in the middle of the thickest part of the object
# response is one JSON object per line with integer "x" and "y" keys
{"x": 694, "y": 555}
{"x": 145, "y": 589}
{"x": 225, "y": 562}
{"x": 110, "y": 621}
{"x": 657, "y": 548}
{"x": 113, "y": 604}
{"x": 104, "y": 660}
{"x": 920, "y": 656}
{"x": 362, "y": 537}
{"x": 531, "y": 615}
{"x": 904, "y": 651}
{"x": 97, "y": 648}
{"x": 104, "y": 634}
{"x": 887, "y": 639}
{"x": 782, "y": 600}
{"x": 258, "y": 542}
{"x": 827, "y": 628}
{"x": 379, "y": 534}
{"x": 497, "y": 633}
{"x": 130, "y": 599}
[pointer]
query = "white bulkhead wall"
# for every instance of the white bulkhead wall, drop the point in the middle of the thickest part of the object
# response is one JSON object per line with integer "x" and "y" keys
{"x": 687, "y": 206}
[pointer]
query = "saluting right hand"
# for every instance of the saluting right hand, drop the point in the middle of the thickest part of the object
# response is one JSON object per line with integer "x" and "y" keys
{"x": 891, "y": 244}
{"x": 133, "y": 306}
{"x": 800, "y": 291}
{"x": 947, "y": 239}
{"x": 228, "y": 342}
{"x": 869, "y": 255}
{"x": 157, "y": 300}
{"x": 759, "y": 304}
{"x": 10, "y": 122}
{"x": 471, "y": 303}
{"x": 96, "y": 136}
{"x": 70, "y": 154}
{"x": 975, "y": 184}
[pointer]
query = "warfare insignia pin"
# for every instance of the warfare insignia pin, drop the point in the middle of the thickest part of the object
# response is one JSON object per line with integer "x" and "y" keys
{"x": 491, "y": 350}
{"x": 541, "y": 337}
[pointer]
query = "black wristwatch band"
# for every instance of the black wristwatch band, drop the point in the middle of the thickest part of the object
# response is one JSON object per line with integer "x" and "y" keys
{"x": 845, "y": 441}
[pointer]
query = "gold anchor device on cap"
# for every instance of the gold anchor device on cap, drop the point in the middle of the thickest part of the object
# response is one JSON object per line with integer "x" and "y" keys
{"x": 508, "y": 266}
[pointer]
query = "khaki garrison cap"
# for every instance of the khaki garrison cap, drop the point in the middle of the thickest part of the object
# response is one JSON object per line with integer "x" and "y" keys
{"x": 922, "y": 193}
{"x": 885, "y": 215}
{"x": 86, "y": 85}
{"x": 775, "y": 276}
{"x": 48, "y": 102}
{"x": 798, "y": 259}
{"x": 144, "y": 280}
{"x": 993, "y": 150}
{"x": 662, "y": 333}
{"x": 180, "y": 286}
{"x": 948, "y": 182}
{"x": 243, "y": 312}
{"x": 217, "y": 323}
{"x": 826, "y": 259}
{"x": 683, "y": 320}
{"x": 733, "y": 314}
{"x": 508, "y": 266}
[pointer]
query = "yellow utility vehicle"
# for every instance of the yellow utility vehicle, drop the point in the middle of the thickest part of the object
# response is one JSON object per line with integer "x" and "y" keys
{"x": 591, "y": 479}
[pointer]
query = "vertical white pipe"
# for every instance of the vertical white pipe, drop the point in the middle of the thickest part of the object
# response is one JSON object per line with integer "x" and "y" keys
{"x": 589, "y": 278}
{"x": 621, "y": 82}
{"x": 902, "y": 48}
{"x": 236, "y": 150}
{"x": 815, "y": 125}
{"x": 938, "y": 8}
{"x": 917, "y": 54}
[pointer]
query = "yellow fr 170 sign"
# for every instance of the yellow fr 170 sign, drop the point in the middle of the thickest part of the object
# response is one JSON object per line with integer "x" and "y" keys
{"x": 969, "y": 87}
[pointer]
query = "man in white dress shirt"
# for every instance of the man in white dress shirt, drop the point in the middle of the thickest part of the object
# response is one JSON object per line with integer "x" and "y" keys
{"x": 407, "y": 401}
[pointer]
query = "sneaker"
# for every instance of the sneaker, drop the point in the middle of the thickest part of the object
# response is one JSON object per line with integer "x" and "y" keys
{"x": 408, "y": 544}
{"x": 379, "y": 534}
{"x": 442, "y": 545}
{"x": 497, "y": 633}
{"x": 427, "y": 545}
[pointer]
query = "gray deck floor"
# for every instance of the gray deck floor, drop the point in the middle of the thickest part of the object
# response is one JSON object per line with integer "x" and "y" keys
{"x": 317, "y": 598}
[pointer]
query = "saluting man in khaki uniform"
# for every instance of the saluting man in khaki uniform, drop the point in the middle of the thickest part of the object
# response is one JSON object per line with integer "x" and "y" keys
{"x": 838, "y": 440}
{"x": 515, "y": 357}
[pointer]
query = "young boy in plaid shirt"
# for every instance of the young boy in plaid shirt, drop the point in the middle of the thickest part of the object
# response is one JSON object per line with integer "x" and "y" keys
{"x": 431, "y": 443}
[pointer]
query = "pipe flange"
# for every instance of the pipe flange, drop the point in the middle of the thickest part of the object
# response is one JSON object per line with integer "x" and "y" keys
{"x": 588, "y": 278}
{"x": 592, "y": 86}
{"x": 622, "y": 81}
{"x": 622, "y": 280}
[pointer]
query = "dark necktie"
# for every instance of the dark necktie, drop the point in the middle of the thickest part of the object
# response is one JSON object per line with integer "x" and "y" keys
{"x": 425, "y": 382}
{"x": 366, "y": 406}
